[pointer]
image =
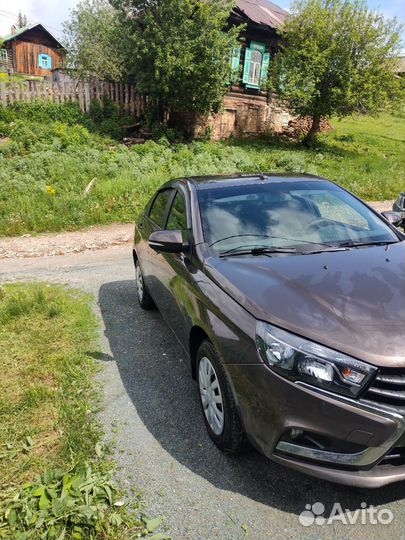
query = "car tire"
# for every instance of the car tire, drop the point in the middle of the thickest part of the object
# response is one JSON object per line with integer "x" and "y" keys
{"x": 216, "y": 397}
{"x": 142, "y": 293}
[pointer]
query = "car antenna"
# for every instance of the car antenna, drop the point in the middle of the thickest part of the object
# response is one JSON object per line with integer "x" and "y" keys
{"x": 262, "y": 176}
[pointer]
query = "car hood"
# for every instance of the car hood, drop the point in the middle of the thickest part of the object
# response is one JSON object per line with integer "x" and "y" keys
{"x": 352, "y": 301}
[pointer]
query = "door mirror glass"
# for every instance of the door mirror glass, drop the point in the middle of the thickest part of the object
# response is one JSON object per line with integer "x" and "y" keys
{"x": 395, "y": 218}
{"x": 167, "y": 241}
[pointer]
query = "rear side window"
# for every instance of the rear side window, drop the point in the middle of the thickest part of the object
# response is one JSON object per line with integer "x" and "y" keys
{"x": 178, "y": 214}
{"x": 158, "y": 208}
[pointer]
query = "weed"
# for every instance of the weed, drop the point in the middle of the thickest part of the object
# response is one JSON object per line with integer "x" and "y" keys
{"x": 364, "y": 155}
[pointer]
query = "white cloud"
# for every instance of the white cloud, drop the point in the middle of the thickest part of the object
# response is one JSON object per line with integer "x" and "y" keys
{"x": 51, "y": 13}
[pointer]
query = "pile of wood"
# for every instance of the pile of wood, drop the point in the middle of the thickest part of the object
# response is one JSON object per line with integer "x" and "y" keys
{"x": 136, "y": 134}
{"x": 298, "y": 127}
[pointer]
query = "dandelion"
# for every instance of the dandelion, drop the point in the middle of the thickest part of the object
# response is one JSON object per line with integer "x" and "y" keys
{"x": 51, "y": 190}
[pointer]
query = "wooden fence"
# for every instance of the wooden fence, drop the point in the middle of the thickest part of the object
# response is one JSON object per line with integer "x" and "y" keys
{"x": 122, "y": 95}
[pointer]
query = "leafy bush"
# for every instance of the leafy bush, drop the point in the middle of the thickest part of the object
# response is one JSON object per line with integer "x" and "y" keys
{"x": 42, "y": 111}
{"x": 104, "y": 119}
{"x": 80, "y": 504}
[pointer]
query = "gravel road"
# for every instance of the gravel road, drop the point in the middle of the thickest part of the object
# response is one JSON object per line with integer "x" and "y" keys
{"x": 151, "y": 412}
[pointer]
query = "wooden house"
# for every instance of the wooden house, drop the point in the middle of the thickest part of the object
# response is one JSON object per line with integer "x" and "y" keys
{"x": 31, "y": 50}
{"x": 248, "y": 109}
{"x": 259, "y": 41}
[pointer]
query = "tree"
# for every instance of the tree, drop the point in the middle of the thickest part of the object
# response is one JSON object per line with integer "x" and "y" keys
{"x": 337, "y": 59}
{"x": 93, "y": 40}
{"x": 22, "y": 20}
{"x": 177, "y": 51}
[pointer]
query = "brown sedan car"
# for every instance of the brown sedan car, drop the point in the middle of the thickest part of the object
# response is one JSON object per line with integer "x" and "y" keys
{"x": 288, "y": 294}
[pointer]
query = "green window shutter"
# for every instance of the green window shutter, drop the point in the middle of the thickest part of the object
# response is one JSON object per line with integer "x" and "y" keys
{"x": 235, "y": 59}
{"x": 246, "y": 69}
{"x": 264, "y": 69}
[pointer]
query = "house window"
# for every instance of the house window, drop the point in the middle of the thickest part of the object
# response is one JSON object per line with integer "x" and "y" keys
{"x": 256, "y": 65}
{"x": 44, "y": 61}
{"x": 3, "y": 55}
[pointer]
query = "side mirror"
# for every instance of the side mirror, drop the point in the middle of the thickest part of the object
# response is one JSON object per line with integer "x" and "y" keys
{"x": 167, "y": 241}
{"x": 395, "y": 218}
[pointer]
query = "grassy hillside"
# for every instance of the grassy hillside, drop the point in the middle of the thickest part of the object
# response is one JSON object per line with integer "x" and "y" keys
{"x": 48, "y": 155}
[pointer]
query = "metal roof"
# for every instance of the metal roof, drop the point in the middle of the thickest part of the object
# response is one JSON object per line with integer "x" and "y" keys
{"x": 20, "y": 31}
{"x": 263, "y": 12}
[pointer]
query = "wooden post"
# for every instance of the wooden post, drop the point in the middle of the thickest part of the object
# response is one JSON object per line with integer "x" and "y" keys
{"x": 87, "y": 99}
{"x": 98, "y": 92}
{"x": 25, "y": 91}
{"x": 11, "y": 94}
{"x": 104, "y": 90}
{"x": 43, "y": 91}
{"x": 122, "y": 102}
{"x": 71, "y": 91}
{"x": 3, "y": 96}
{"x": 117, "y": 94}
{"x": 80, "y": 95}
{"x": 131, "y": 99}
{"x": 126, "y": 98}
{"x": 37, "y": 91}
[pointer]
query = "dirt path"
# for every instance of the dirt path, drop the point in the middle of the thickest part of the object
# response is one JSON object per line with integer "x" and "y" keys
{"x": 96, "y": 237}
{"x": 93, "y": 238}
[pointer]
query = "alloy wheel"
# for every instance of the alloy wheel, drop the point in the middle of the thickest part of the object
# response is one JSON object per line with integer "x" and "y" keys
{"x": 139, "y": 283}
{"x": 211, "y": 395}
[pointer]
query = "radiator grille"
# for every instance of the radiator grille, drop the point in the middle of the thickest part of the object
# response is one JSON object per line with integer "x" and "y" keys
{"x": 388, "y": 389}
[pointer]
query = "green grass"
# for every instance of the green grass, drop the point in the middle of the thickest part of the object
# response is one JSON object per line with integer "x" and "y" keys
{"x": 46, "y": 333}
{"x": 47, "y": 161}
{"x": 16, "y": 78}
{"x": 55, "y": 479}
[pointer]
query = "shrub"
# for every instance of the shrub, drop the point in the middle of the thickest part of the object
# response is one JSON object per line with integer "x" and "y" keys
{"x": 80, "y": 503}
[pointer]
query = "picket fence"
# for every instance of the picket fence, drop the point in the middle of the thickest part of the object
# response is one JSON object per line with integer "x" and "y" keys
{"x": 122, "y": 95}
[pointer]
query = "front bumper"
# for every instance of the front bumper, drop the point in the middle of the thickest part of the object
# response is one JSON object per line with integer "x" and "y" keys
{"x": 360, "y": 438}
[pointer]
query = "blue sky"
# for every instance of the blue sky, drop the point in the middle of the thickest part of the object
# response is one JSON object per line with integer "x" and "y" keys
{"x": 390, "y": 8}
{"x": 52, "y": 13}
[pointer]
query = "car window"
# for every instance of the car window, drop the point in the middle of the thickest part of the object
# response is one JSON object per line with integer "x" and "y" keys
{"x": 158, "y": 209}
{"x": 178, "y": 214}
{"x": 286, "y": 214}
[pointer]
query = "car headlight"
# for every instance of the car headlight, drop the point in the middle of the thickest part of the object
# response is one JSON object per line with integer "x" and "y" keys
{"x": 299, "y": 359}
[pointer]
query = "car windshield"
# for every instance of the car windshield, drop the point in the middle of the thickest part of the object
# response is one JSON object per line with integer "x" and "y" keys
{"x": 287, "y": 214}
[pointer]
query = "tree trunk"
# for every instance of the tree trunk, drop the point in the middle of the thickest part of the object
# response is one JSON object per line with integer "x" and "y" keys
{"x": 310, "y": 137}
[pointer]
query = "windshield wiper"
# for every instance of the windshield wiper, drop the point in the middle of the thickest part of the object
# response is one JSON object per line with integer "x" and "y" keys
{"x": 298, "y": 240}
{"x": 255, "y": 251}
{"x": 360, "y": 243}
{"x": 269, "y": 250}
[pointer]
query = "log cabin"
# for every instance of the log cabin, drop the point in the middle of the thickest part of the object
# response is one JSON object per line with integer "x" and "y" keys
{"x": 248, "y": 109}
{"x": 31, "y": 50}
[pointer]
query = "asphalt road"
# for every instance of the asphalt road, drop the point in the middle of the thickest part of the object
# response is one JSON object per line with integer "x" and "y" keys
{"x": 152, "y": 413}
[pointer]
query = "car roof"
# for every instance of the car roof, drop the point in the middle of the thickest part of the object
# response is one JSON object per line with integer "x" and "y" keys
{"x": 208, "y": 182}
